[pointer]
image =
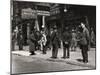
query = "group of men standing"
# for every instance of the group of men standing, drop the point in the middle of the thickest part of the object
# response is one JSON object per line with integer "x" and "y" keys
{"x": 66, "y": 40}
{"x": 37, "y": 37}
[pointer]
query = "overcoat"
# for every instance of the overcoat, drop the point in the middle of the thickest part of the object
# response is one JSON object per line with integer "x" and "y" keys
{"x": 32, "y": 41}
{"x": 55, "y": 38}
{"x": 85, "y": 39}
{"x": 66, "y": 37}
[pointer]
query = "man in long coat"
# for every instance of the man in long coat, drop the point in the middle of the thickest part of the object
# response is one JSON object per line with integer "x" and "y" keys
{"x": 32, "y": 41}
{"x": 84, "y": 42}
{"x": 66, "y": 38}
{"x": 55, "y": 42}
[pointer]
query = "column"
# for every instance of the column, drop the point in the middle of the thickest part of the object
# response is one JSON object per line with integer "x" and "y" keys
{"x": 37, "y": 25}
{"x": 43, "y": 21}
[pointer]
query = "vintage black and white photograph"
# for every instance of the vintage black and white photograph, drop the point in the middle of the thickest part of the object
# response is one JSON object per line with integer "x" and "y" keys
{"x": 52, "y": 37}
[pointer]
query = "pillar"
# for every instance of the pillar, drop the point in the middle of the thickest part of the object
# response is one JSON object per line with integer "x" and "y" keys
{"x": 36, "y": 24}
{"x": 43, "y": 21}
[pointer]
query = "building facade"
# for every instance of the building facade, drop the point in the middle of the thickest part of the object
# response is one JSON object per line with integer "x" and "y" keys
{"x": 29, "y": 15}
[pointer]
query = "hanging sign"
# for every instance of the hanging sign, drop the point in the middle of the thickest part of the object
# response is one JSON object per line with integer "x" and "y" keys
{"x": 28, "y": 13}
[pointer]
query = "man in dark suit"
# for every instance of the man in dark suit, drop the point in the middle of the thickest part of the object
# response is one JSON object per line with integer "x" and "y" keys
{"x": 32, "y": 43}
{"x": 66, "y": 38}
{"x": 55, "y": 42}
{"x": 84, "y": 42}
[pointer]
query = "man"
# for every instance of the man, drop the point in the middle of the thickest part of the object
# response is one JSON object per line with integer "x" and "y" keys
{"x": 38, "y": 37}
{"x": 84, "y": 42}
{"x": 66, "y": 38}
{"x": 55, "y": 42}
{"x": 13, "y": 40}
{"x": 20, "y": 40}
{"x": 32, "y": 43}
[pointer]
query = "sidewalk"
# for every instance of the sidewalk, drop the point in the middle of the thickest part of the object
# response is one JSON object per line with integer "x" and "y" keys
{"x": 73, "y": 60}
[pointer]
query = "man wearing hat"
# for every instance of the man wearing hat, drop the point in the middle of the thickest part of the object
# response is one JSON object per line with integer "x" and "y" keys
{"x": 55, "y": 42}
{"x": 84, "y": 42}
{"x": 32, "y": 43}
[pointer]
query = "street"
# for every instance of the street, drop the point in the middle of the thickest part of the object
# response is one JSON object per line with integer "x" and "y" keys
{"x": 23, "y": 63}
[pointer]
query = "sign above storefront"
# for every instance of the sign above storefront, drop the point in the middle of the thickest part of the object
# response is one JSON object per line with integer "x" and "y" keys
{"x": 28, "y": 14}
{"x": 31, "y": 14}
{"x": 55, "y": 9}
{"x": 44, "y": 13}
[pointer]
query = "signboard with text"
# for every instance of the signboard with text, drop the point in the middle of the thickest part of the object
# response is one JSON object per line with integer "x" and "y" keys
{"x": 28, "y": 14}
{"x": 31, "y": 14}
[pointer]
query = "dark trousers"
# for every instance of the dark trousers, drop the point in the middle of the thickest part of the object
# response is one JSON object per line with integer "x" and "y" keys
{"x": 20, "y": 47}
{"x": 66, "y": 46}
{"x": 54, "y": 50}
{"x": 20, "y": 44}
{"x": 44, "y": 49}
{"x": 84, "y": 52}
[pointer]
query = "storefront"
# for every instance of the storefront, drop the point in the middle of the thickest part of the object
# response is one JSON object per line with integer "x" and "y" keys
{"x": 31, "y": 15}
{"x": 33, "y": 19}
